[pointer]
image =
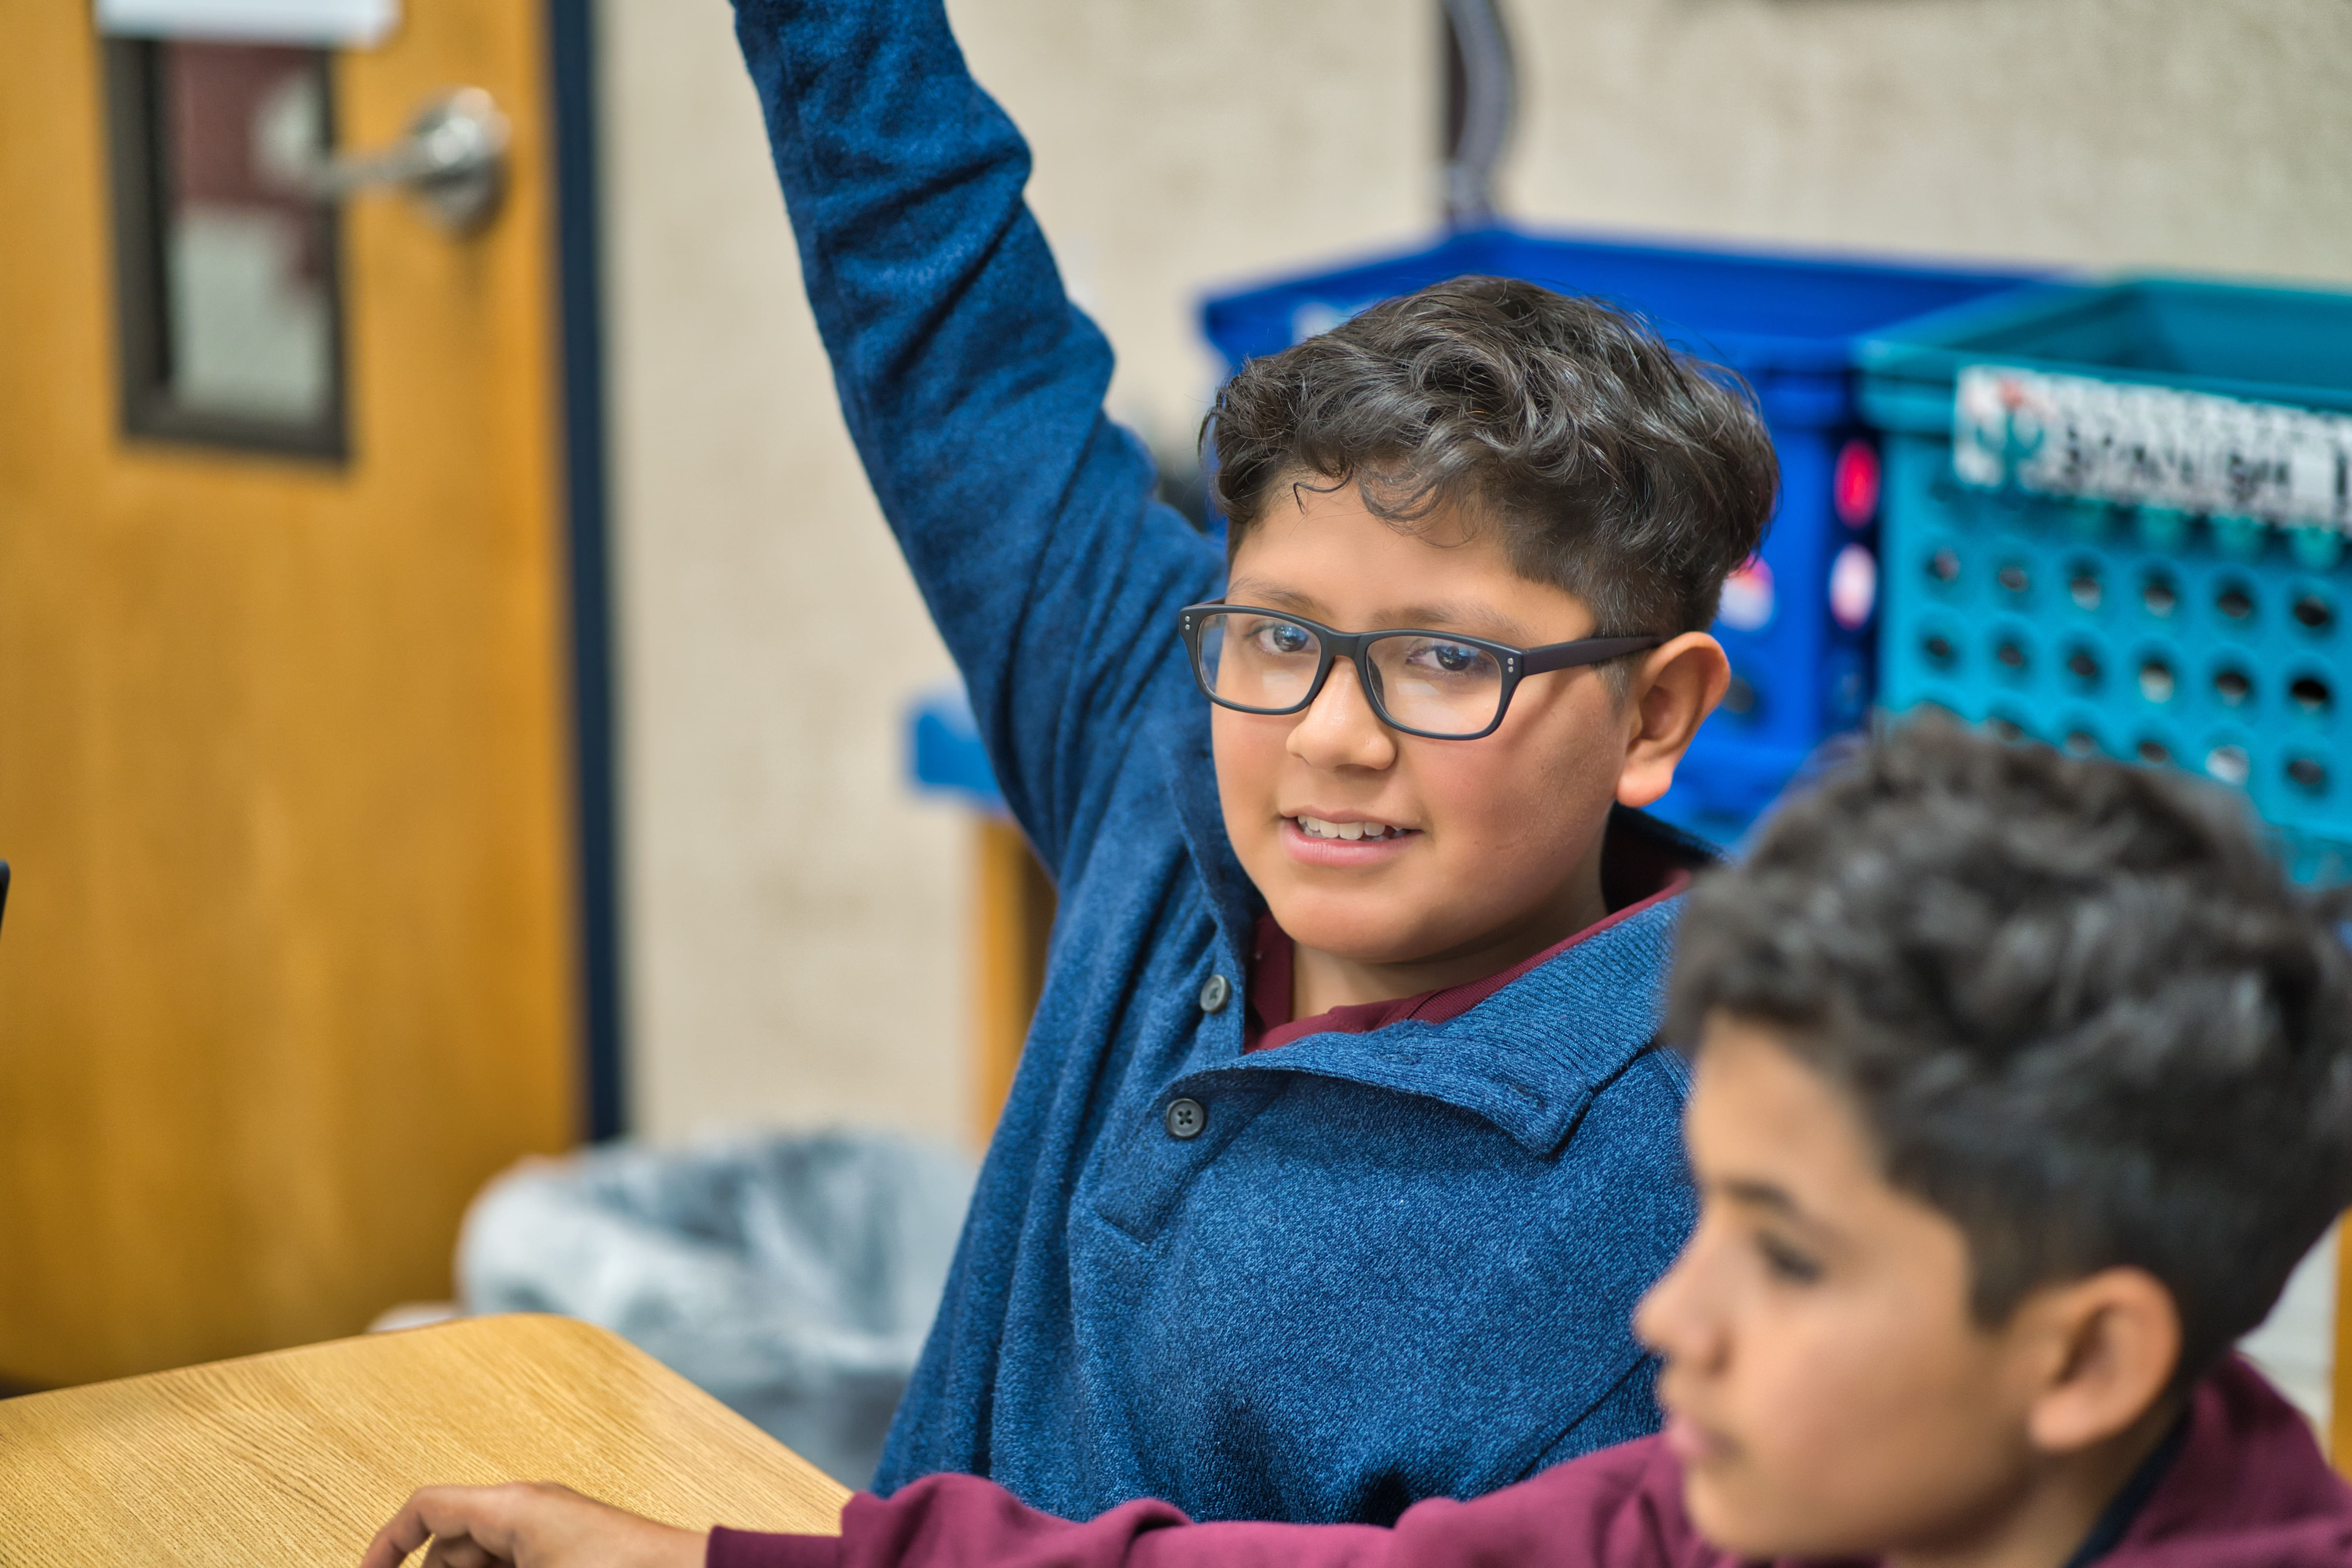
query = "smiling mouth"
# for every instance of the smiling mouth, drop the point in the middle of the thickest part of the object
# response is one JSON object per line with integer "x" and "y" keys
{"x": 1318, "y": 828}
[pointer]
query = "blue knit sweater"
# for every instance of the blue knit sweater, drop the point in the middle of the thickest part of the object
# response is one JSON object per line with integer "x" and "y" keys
{"x": 1395, "y": 1265}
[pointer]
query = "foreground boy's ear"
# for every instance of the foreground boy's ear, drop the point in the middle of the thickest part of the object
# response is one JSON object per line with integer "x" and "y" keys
{"x": 2101, "y": 1352}
{"x": 1672, "y": 690}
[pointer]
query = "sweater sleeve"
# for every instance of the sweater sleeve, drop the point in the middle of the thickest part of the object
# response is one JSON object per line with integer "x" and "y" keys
{"x": 1621, "y": 1508}
{"x": 974, "y": 390}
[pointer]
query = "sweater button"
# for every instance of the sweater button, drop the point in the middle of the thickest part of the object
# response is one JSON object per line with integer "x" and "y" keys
{"x": 1214, "y": 990}
{"x": 1186, "y": 1119}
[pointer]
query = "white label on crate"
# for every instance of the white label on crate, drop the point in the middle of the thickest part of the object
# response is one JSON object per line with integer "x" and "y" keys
{"x": 2152, "y": 446}
{"x": 325, "y": 23}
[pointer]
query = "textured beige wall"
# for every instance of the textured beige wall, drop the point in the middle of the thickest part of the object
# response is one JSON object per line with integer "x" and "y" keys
{"x": 796, "y": 915}
{"x": 2204, "y": 134}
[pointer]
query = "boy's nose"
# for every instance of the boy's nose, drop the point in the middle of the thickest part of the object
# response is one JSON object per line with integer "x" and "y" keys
{"x": 1672, "y": 1319}
{"x": 1340, "y": 728}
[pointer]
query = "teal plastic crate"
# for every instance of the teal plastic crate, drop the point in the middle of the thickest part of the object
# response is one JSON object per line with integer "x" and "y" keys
{"x": 2116, "y": 520}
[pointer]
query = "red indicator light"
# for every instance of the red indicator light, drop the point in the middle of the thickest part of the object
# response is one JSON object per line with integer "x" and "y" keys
{"x": 1853, "y": 484}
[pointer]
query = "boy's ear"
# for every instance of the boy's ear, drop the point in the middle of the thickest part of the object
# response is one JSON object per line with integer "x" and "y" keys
{"x": 2102, "y": 1351}
{"x": 1674, "y": 687}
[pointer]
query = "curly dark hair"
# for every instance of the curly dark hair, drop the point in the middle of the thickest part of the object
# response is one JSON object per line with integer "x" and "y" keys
{"x": 1633, "y": 475}
{"x": 2077, "y": 1005}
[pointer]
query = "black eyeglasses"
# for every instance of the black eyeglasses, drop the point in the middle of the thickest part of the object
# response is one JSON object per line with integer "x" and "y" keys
{"x": 1442, "y": 685}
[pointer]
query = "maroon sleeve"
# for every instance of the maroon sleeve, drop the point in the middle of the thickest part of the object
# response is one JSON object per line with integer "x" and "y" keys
{"x": 752, "y": 1549}
{"x": 1621, "y": 1508}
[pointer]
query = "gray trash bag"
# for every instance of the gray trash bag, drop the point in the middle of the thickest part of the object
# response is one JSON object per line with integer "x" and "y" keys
{"x": 793, "y": 1277}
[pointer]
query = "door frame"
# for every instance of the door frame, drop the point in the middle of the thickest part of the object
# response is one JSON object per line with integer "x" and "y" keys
{"x": 571, "y": 72}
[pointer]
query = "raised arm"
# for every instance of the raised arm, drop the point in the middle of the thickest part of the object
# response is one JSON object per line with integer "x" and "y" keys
{"x": 973, "y": 389}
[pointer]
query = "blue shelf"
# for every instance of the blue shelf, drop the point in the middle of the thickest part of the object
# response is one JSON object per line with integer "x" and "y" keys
{"x": 944, "y": 755}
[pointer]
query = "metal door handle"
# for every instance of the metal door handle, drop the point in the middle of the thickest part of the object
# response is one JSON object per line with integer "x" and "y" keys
{"x": 453, "y": 161}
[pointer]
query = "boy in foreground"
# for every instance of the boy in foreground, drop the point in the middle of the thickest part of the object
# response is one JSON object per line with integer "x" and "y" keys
{"x": 2021, "y": 1083}
{"x": 1345, "y": 1050}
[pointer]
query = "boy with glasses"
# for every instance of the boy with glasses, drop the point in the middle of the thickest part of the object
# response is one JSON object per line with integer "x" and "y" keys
{"x": 2021, "y": 1084}
{"x": 1339, "y": 1150}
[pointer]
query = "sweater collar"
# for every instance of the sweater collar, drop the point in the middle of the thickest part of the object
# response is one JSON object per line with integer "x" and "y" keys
{"x": 1527, "y": 1058}
{"x": 1272, "y": 974}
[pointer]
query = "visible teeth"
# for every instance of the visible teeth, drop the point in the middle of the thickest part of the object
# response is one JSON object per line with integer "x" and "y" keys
{"x": 1316, "y": 827}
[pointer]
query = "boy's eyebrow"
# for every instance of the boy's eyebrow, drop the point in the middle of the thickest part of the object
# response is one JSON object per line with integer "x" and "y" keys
{"x": 1760, "y": 1194}
{"x": 1488, "y": 622}
{"x": 1436, "y": 618}
{"x": 1249, "y": 591}
{"x": 1755, "y": 1192}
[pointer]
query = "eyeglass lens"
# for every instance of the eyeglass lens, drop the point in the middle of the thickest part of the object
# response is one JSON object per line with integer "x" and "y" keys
{"x": 1266, "y": 663}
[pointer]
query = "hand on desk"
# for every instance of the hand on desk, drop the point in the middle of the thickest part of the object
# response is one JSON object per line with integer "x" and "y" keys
{"x": 528, "y": 1524}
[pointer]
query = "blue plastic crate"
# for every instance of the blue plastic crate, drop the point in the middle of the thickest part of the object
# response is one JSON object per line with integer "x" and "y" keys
{"x": 1787, "y": 323}
{"x": 2116, "y": 522}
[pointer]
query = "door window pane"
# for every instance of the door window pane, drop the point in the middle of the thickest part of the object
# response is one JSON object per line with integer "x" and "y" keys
{"x": 229, "y": 297}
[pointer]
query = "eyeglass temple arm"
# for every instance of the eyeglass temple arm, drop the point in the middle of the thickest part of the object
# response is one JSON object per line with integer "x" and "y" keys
{"x": 1591, "y": 650}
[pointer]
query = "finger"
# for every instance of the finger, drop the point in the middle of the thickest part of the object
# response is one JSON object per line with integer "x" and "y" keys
{"x": 448, "y": 1516}
{"x": 458, "y": 1552}
{"x": 402, "y": 1534}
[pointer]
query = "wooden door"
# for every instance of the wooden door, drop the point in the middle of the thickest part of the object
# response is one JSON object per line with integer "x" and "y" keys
{"x": 288, "y": 963}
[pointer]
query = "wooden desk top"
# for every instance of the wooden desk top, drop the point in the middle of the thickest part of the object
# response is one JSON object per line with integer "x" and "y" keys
{"x": 294, "y": 1459}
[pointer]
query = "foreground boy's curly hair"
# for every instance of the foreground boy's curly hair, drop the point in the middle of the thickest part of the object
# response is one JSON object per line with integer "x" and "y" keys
{"x": 1632, "y": 474}
{"x": 2077, "y": 1005}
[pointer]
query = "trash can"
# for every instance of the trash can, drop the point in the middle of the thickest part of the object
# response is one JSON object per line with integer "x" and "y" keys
{"x": 793, "y": 1276}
